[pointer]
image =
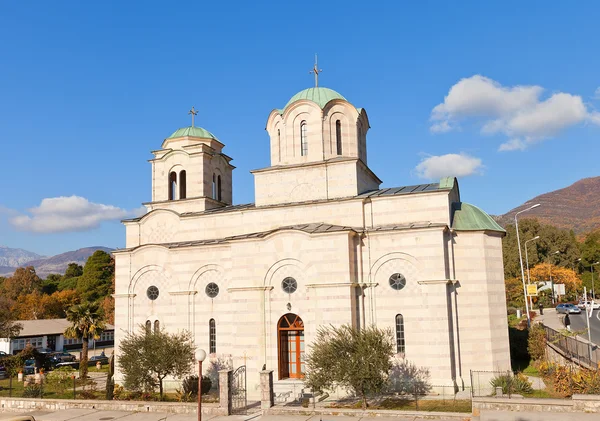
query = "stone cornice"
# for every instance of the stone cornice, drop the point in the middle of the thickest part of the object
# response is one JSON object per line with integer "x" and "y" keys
{"x": 331, "y": 285}
{"x": 191, "y": 292}
{"x": 261, "y": 288}
{"x": 125, "y": 295}
{"x": 437, "y": 281}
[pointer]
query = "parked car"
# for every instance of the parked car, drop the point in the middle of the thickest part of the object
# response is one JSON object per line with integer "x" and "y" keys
{"x": 98, "y": 358}
{"x": 586, "y": 304}
{"x": 73, "y": 364}
{"x": 29, "y": 367}
{"x": 45, "y": 350}
{"x": 64, "y": 357}
{"x": 568, "y": 308}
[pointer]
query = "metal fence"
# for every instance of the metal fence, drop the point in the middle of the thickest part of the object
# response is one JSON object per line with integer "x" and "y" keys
{"x": 580, "y": 352}
{"x": 504, "y": 383}
{"x": 49, "y": 386}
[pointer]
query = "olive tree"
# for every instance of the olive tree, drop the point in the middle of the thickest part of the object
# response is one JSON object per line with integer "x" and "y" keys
{"x": 356, "y": 359}
{"x": 147, "y": 357}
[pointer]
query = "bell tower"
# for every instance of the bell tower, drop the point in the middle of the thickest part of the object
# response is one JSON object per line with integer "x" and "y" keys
{"x": 190, "y": 173}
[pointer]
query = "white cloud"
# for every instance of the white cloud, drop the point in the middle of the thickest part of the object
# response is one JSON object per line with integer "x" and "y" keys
{"x": 455, "y": 165}
{"x": 517, "y": 112}
{"x": 67, "y": 214}
{"x": 597, "y": 93}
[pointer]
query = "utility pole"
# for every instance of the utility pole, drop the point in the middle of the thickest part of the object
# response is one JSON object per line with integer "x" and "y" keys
{"x": 587, "y": 319}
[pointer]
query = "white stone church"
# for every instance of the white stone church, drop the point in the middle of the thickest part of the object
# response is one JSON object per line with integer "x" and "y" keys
{"x": 322, "y": 244}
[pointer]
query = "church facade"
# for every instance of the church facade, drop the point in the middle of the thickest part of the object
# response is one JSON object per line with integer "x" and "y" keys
{"x": 321, "y": 245}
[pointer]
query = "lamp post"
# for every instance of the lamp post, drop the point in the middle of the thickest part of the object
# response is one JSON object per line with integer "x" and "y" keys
{"x": 593, "y": 290}
{"x": 200, "y": 356}
{"x": 527, "y": 261}
{"x": 551, "y": 281}
{"x": 521, "y": 260}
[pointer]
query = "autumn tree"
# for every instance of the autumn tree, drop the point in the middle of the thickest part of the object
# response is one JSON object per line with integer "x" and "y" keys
{"x": 545, "y": 272}
{"x": 24, "y": 281}
{"x": 8, "y": 327}
{"x": 39, "y": 306}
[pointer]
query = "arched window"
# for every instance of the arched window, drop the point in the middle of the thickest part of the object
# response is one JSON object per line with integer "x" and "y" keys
{"x": 182, "y": 186}
{"x": 148, "y": 326}
{"x": 214, "y": 187}
{"x": 338, "y": 136}
{"x": 303, "y": 141}
{"x": 219, "y": 193}
{"x": 172, "y": 185}
{"x": 212, "y": 336}
{"x": 400, "y": 345}
{"x": 156, "y": 326}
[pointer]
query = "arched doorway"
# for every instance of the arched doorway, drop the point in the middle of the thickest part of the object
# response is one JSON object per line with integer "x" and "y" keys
{"x": 290, "y": 333}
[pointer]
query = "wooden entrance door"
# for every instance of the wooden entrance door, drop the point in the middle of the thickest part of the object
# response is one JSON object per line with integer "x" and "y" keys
{"x": 290, "y": 332}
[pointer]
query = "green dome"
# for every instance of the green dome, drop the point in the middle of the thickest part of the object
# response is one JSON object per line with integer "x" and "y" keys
{"x": 193, "y": 131}
{"x": 320, "y": 96}
{"x": 470, "y": 218}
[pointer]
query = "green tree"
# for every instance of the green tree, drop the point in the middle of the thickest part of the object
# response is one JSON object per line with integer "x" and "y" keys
{"x": 87, "y": 322}
{"x": 98, "y": 273}
{"x": 71, "y": 276}
{"x": 356, "y": 359}
{"x": 50, "y": 284}
{"x": 147, "y": 357}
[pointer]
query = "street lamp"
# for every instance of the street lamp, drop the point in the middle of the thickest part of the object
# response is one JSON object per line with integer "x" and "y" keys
{"x": 200, "y": 356}
{"x": 593, "y": 290}
{"x": 527, "y": 261}
{"x": 550, "y": 270}
{"x": 521, "y": 260}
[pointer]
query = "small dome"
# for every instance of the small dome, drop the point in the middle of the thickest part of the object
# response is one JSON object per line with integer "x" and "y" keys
{"x": 194, "y": 132}
{"x": 320, "y": 96}
{"x": 470, "y": 218}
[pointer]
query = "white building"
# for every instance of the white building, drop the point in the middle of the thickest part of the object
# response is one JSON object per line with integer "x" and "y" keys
{"x": 322, "y": 244}
{"x": 48, "y": 334}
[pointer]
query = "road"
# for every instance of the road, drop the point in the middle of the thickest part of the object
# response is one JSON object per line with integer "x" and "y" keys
{"x": 578, "y": 323}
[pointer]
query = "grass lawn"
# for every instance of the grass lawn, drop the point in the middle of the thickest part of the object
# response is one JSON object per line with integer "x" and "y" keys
{"x": 48, "y": 392}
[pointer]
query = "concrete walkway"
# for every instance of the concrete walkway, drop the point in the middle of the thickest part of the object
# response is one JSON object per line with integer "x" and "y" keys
{"x": 93, "y": 415}
{"x": 535, "y": 416}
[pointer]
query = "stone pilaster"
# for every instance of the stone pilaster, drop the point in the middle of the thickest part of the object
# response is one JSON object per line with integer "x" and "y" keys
{"x": 225, "y": 392}
{"x": 266, "y": 389}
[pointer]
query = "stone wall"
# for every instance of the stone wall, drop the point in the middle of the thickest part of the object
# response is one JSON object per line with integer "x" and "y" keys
{"x": 578, "y": 403}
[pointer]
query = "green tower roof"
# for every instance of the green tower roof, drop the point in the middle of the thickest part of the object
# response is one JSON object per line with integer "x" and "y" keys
{"x": 193, "y": 131}
{"x": 320, "y": 96}
{"x": 470, "y": 218}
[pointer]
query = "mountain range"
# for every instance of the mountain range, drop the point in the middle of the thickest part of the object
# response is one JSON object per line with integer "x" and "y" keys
{"x": 11, "y": 259}
{"x": 576, "y": 207}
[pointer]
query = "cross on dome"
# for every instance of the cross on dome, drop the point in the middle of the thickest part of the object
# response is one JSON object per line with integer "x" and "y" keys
{"x": 316, "y": 71}
{"x": 193, "y": 112}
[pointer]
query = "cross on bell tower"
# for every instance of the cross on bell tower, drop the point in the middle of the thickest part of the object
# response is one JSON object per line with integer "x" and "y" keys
{"x": 193, "y": 112}
{"x": 316, "y": 71}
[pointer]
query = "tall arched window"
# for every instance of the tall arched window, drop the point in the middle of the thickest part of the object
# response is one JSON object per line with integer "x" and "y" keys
{"x": 148, "y": 326}
{"x": 212, "y": 336}
{"x": 156, "y": 326}
{"x": 182, "y": 185}
{"x": 172, "y": 185}
{"x": 338, "y": 136}
{"x": 303, "y": 140}
{"x": 400, "y": 345}
{"x": 219, "y": 193}
{"x": 214, "y": 187}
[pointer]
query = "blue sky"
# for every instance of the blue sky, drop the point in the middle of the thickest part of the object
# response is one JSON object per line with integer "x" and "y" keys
{"x": 88, "y": 89}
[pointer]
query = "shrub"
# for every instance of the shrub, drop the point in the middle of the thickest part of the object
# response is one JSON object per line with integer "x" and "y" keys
{"x": 510, "y": 384}
{"x": 32, "y": 391}
{"x": 60, "y": 379}
{"x": 190, "y": 385}
{"x": 536, "y": 343}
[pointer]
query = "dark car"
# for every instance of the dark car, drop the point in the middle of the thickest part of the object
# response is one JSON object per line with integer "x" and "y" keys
{"x": 29, "y": 367}
{"x": 98, "y": 358}
{"x": 64, "y": 357}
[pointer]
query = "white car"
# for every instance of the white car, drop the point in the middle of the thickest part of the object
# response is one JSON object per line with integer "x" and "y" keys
{"x": 586, "y": 304}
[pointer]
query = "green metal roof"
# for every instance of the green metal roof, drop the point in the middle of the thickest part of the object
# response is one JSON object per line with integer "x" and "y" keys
{"x": 320, "y": 96}
{"x": 193, "y": 131}
{"x": 447, "y": 182}
{"x": 470, "y": 218}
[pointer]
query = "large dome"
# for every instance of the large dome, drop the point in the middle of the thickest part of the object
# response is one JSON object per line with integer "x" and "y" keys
{"x": 194, "y": 132}
{"x": 320, "y": 96}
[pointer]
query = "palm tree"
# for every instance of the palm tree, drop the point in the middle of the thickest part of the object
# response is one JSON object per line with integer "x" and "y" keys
{"x": 87, "y": 321}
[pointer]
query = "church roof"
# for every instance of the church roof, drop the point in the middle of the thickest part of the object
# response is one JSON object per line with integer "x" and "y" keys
{"x": 470, "y": 218}
{"x": 193, "y": 132}
{"x": 319, "y": 95}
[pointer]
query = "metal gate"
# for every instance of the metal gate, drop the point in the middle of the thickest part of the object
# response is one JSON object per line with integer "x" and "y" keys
{"x": 238, "y": 392}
